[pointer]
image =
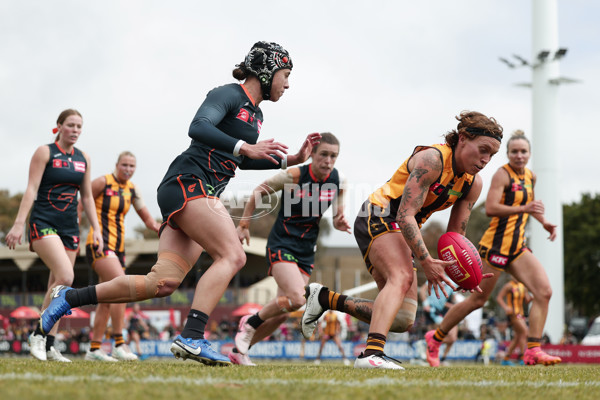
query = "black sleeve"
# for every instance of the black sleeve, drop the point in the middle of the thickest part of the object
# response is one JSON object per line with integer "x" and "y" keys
{"x": 218, "y": 103}
{"x": 249, "y": 163}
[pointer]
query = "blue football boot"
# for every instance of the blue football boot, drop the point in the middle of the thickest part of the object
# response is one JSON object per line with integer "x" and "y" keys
{"x": 57, "y": 308}
{"x": 198, "y": 350}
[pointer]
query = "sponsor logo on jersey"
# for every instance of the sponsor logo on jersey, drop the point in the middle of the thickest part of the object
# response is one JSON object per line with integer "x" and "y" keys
{"x": 326, "y": 195}
{"x": 109, "y": 192}
{"x": 48, "y": 231}
{"x": 60, "y": 164}
{"x": 79, "y": 166}
{"x": 243, "y": 115}
{"x": 191, "y": 188}
{"x": 498, "y": 259}
{"x": 516, "y": 187}
{"x": 455, "y": 193}
{"x": 258, "y": 125}
{"x": 437, "y": 188}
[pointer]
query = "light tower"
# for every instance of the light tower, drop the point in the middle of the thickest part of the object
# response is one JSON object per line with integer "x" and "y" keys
{"x": 545, "y": 152}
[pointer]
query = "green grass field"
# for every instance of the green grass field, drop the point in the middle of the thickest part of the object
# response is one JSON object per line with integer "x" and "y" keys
{"x": 25, "y": 378}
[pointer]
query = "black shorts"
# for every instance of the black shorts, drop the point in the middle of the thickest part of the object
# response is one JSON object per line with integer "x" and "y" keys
{"x": 305, "y": 262}
{"x": 91, "y": 256}
{"x": 372, "y": 221}
{"x": 498, "y": 260}
{"x": 174, "y": 193}
{"x": 39, "y": 229}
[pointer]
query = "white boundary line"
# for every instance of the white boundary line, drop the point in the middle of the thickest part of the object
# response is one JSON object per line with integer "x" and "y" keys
{"x": 383, "y": 381}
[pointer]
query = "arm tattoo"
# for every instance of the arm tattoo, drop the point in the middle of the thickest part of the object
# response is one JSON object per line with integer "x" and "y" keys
{"x": 423, "y": 250}
{"x": 417, "y": 173}
{"x": 463, "y": 226}
{"x": 409, "y": 232}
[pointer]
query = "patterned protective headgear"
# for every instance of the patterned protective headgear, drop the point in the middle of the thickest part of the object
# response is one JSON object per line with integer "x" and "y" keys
{"x": 263, "y": 60}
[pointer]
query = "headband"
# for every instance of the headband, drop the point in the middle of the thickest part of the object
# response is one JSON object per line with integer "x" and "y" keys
{"x": 482, "y": 132}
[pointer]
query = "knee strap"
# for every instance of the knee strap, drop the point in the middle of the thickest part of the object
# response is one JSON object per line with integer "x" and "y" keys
{"x": 406, "y": 316}
{"x": 166, "y": 276}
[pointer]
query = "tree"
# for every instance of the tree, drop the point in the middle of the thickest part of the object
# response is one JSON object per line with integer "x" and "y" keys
{"x": 582, "y": 254}
{"x": 9, "y": 206}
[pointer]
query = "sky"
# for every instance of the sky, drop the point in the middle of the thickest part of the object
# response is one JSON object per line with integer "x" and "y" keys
{"x": 383, "y": 76}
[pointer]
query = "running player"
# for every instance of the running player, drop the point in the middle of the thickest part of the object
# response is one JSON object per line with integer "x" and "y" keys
{"x": 510, "y": 201}
{"x": 57, "y": 173}
{"x": 433, "y": 178}
{"x": 308, "y": 191}
{"x": 114, "y": 194}
{"x": 224, "y": 136}
{"x": 513, "y": 298}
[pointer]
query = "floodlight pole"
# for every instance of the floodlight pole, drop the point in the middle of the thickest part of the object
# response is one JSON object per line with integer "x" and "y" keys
{"x": 545, "y": 150}
{"x": 546, "y": 157}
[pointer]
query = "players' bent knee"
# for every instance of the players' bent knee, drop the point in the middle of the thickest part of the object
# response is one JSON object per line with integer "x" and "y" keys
{"x": 164, "y": 278}
{"x": 289, "y": 304}
{"x": 406, "y": 316}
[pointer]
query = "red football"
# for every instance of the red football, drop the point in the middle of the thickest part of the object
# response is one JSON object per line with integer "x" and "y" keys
{"x": 467, "y": 271}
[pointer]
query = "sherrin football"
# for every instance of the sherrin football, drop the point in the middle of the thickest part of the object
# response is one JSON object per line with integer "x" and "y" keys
{"x": 467, "y": 271}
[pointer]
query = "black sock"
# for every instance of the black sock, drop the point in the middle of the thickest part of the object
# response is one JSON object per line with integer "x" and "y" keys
{"x": 38, "y": 331}
{"x": 194, "y": 327}
{"x": 81, "y": 297}
{"x": 324, "y": 298}
{"x": 235, "y": 350}
{"x": 49, "y": 342}
{"x": 254, "y": 321}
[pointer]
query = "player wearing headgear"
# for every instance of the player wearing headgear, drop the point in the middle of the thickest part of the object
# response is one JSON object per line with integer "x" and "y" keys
{"x": 224, "y": 133}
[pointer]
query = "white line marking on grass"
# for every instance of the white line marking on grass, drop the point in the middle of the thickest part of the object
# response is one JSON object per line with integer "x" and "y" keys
{"x": 384, "y": 381}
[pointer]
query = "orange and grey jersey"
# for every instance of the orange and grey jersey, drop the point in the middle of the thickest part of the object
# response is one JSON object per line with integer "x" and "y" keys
{"x": 443, "y": 193}
{"x": 111, "y": 206}
{"x": 56, "y": 201}
{"x": 515, "y": 298}
{"x": 302, "y": 206}
{"x": 506, "y": 235}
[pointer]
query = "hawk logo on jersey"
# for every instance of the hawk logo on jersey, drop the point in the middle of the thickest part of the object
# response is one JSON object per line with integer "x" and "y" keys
{"x": 516, "y": 187}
